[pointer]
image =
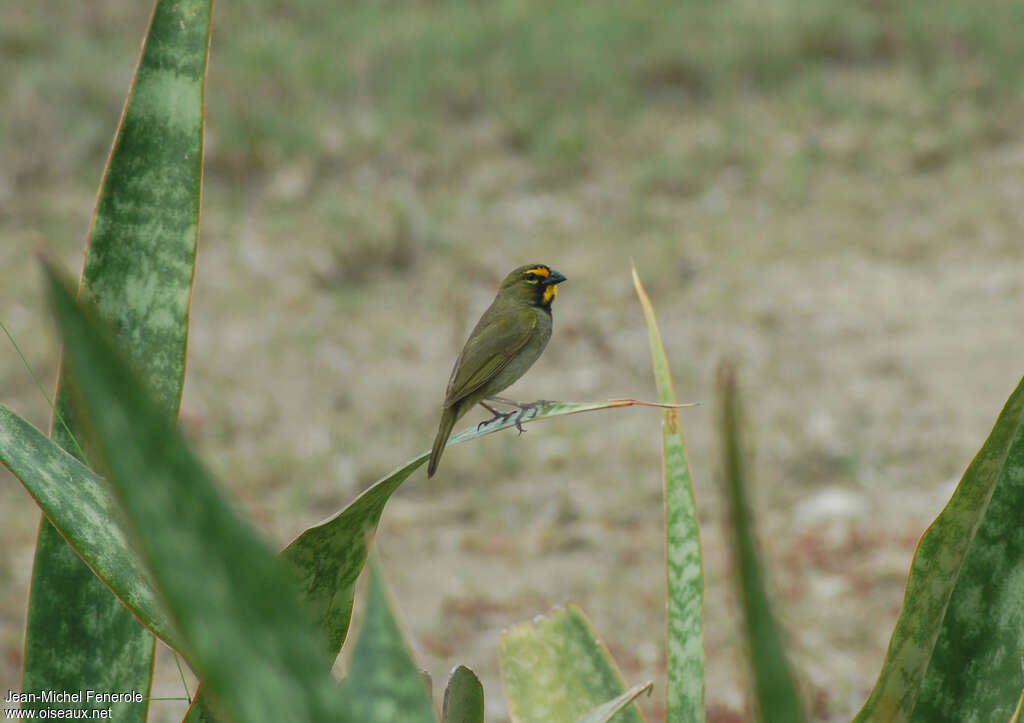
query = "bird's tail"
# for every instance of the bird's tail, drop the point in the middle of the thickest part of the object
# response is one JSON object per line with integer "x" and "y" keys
{"x": 443, "y": 432}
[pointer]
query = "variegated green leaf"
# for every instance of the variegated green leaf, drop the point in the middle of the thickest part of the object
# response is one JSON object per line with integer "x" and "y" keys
{"x": 956, "y": 650}
{"x": 685, "y": 694}
{"x": 383, "y": 684}
{"x": 83, "y": 507}
{"x": 243, "y": 628}
{"x": 555, "y": 670}
{"x": 328, "y": 558}
{"x": 139, "y": 268}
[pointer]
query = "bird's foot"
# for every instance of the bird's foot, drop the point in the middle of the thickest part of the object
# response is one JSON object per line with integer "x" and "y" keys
{"x": 497, "y": 416}
{"x": 501, "y": 417}
{"x": 520, "y": 412}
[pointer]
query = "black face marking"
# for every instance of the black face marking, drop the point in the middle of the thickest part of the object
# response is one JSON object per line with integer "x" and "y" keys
{"x": 536, "y": 274}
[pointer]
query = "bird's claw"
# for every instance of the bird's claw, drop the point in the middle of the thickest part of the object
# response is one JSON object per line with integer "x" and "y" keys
{"x": 520, "y": 413}
{"x": 502, "y": 418}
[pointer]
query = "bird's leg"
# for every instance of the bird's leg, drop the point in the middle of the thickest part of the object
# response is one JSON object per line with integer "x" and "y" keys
{"x": 523, "y": 408}
{"x": 518, "y": 413}
{"x": 497, "y": 415}
{"x": 491, "y": 409}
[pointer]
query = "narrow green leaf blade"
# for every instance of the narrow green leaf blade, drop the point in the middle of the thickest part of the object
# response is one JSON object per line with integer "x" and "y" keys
{"x": 328, "y": 558}
{"x": 685, "y": 691}
{"x": 463, "y": 697}
{"x": 245, "y": 631}
{"x": 383, "y": 684}
{"x": 955, "y": 652}
{"x": 555, "y": 670}
{"x": 139, "y": 267}
{"x": 84, "y": 509}
{"x": 776, "y": 696}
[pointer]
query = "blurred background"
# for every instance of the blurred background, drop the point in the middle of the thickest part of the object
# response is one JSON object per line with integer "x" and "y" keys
{"x": 831, "y": 193}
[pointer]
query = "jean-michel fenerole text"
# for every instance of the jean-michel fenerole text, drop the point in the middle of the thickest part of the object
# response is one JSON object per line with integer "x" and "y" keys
{"x": 89, "y": 697}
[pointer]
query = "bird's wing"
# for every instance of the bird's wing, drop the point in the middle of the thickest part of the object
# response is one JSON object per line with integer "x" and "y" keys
{"x": 490, "y": 348}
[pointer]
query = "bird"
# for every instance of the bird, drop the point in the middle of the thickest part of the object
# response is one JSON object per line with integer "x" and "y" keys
{"x": 504, "y": 344}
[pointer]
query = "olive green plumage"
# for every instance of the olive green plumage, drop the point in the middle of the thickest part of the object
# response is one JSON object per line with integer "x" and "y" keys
{"x": 507, "y": 340}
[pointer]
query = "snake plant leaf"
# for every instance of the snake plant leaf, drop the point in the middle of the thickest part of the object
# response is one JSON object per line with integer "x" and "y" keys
{"x": 328, "y": 557}
{"x": 84, "y": 509}
{"x": 555, "y": 670}
{"x": 685, "y": 690}
{"x": 139, "y": 268}
{"x": 383, "y": 684}
{"x": 776, "y": 694}
{"x": 463, "y": 697}
{"x": 607, "y": 711}
{"x": 956, "y": 650}
{"x": 243, "y": 628}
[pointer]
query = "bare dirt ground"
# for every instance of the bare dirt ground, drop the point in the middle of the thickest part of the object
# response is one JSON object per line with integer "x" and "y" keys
{"x": 875, "y": 316}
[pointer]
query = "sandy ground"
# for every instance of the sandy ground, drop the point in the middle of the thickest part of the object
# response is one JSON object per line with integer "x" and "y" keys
{"x": 875, "y": 318}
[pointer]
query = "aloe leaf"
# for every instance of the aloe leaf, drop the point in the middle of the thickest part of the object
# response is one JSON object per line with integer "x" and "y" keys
{"x": 955, "y": 652}
{"x": 555, "y": 670}
{"x": 243, "y": 627}
{"x": 685, "y": 691}
{"x": 139, "y": 267}
{"x": 383, "y": 684}
{"x": 328, "y": 557}
{"x": 776, "y": 695}
{"x": 607, "y": 711}
{"x": 463, "y": 697}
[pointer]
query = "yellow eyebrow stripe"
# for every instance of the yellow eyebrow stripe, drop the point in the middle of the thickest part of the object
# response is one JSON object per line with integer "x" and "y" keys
{"x": 540, "y": 271}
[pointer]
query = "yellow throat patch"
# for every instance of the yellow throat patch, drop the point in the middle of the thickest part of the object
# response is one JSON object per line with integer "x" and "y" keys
{"x": 550, "y": 292}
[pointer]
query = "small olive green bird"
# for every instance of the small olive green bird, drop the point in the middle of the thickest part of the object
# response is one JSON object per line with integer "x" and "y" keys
{"x": 507, "y": 340}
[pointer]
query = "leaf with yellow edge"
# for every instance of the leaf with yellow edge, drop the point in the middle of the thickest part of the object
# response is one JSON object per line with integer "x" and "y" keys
{"x": 962, "y": 606}
{"x": 685, "y": 691}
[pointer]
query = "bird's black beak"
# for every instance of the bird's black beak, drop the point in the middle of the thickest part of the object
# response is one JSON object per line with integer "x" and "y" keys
{"x": 554, "y": 278}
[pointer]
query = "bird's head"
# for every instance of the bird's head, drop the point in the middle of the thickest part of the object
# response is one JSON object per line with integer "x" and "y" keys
{"x": 534, "y": 284}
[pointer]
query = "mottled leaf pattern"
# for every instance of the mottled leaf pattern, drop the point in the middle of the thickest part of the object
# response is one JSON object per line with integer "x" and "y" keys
{"x": 555, "y": 670}
{"x": 243, "y": 628}
{"x": 84, "y": 508}
{"x": 383, "y": 684}
{"x": 139, "y": 267}
{"x": 956, "y": 650}
{"x": 685, "y": 694}
{"x": 327, "y": 558}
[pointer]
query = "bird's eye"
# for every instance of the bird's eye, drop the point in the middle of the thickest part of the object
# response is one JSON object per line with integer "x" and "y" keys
{"x": 531, "y": 277}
